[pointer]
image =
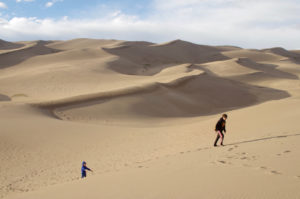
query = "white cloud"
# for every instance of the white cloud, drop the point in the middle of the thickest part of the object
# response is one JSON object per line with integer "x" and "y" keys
{"x": 3, "y": 5}
{"x": 251, "y": 24}
{"x": 51, "y": 3}
{"x": 18, "y": 1}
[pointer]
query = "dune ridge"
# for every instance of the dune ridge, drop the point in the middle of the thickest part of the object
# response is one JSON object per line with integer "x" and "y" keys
{"x": 130, "y": 102}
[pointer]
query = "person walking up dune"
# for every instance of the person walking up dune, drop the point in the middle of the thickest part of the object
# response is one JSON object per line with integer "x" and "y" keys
{"x": 220, "y": 127}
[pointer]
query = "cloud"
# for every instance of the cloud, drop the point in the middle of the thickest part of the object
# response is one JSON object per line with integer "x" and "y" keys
{"x": 250, "y": 24}
{"x": 3, "y": 5}
{"x": 51, "y": 3}
{"x": 18, "y": 1}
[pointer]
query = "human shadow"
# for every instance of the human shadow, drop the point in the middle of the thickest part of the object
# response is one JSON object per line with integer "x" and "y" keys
{"x": 265, "y": 138}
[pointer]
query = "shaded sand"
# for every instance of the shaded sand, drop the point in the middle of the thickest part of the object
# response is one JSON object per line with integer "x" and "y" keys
{"x": 4, "y": 45}
{"x": 142, "y": 115}
{"x": 168, "y": 101}
{"x": 143, "y": 58}
{"x": 12, "y": 58}
{"x": 4, "y": 98}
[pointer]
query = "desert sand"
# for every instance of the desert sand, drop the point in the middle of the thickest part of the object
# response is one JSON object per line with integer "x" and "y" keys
{"x": 142, "y": 115}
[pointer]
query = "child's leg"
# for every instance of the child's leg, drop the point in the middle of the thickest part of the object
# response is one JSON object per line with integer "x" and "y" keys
{"x": 217, "y": 138}
{"x": 222, "y": 137}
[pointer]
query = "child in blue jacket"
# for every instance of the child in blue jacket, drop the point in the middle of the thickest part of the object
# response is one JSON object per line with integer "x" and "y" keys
{"x": 83, "y": 169}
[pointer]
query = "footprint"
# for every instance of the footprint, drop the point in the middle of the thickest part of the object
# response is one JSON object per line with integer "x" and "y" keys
{"x": 263, "y": 167}
{"x": 140, "y": 166}
{"x": 182, "y": 152}
{"x": 247, "y": 165}
{"x": 222, "y": 161}
{"x": 275, "y": 172}
{"x": 230, "y": 149}
{"x": 287, "y": 151}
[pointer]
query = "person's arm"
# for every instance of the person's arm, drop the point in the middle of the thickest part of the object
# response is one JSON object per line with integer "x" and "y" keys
{"x": 88, "y": 168}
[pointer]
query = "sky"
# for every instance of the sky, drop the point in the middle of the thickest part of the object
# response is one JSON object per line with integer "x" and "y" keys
{"x": 244, "y": 23}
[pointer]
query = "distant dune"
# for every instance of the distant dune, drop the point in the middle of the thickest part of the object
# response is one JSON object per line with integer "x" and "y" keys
{"x": 4, "y": 45}
{"x": 141, "y": 58}
{"x": 285, "y": 53}
{"x": 143, "y": 116}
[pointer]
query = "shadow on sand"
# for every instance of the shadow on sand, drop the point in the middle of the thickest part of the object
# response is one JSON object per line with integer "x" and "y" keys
{"x": 265, "y": 138}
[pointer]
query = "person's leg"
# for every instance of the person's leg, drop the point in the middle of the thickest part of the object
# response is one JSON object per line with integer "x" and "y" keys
{"x": 83, "y": 174}
{"x": 217, "y": 138}
{"x": 222, "y": 137}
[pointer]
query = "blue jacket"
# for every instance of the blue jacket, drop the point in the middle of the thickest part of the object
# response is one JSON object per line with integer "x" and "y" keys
{"x": 83, "y": 168}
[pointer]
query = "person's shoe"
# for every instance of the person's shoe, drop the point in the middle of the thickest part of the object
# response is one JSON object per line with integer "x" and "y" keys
{"x": 215, "y": 145}
{"x": 222, "y": 144}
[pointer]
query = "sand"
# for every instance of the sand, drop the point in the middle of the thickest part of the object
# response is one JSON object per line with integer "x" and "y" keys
{"x": 142, "y": 116}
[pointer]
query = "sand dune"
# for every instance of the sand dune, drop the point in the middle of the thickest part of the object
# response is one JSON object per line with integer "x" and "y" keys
{"x": 188, "y": 97}
{"x": 4, "y": 45}
{"x": 142, "y": 58}
{"x": 254, "y": 55}
{"x": 285, "y": 53}
{"x": 228, "y": 68}
{"x": 269, "y": 69}
{"x": 15, "y": 57}
{"x": 143, "y": 115}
